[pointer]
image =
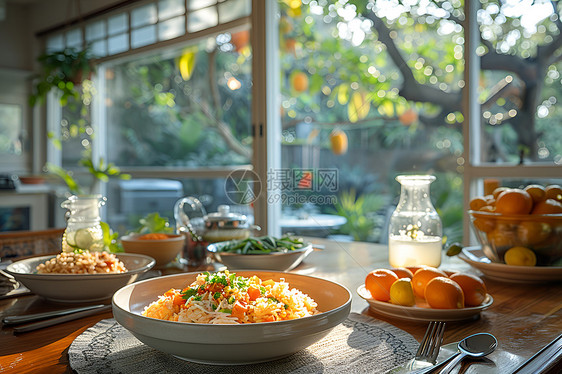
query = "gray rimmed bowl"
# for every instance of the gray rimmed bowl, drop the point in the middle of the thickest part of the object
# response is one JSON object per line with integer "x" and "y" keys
{"x": 281, "y": 261}
{"x": 231, "y": 344}
{"x": 78, "y": 288}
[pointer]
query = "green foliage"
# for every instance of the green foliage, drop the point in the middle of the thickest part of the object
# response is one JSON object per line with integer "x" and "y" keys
{"x": 358, "y": 211}
{"x": 153, "y": 223}
{"x": 102, "y": 171}
{"x": 62, "y": 70}
{"x": 165, "y": 120}
{"x": 66, "y": 176}
{"x": 110, "y": 238}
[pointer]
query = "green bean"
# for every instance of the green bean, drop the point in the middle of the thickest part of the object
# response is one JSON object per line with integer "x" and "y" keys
{"x": 262, "y": 244}
{"x": 246, "y": 247}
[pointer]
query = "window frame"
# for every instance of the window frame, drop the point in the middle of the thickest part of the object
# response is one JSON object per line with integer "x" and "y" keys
{"x": 266, "y": 123}
{"x": 99, "y": 148}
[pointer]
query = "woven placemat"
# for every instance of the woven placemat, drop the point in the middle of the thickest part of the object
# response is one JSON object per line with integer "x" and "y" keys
{"x": 361, "y": 344}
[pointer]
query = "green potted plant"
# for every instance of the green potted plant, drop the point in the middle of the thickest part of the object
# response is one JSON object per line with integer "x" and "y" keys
{"x": 63, "y": 70}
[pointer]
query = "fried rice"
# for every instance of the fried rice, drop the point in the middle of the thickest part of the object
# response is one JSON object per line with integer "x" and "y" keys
{"x": 225, "y": 298}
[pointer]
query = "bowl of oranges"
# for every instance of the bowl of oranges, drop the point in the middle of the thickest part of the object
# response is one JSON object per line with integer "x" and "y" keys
{"x": 425, "y": 294}
{"x": 520, "y": 226}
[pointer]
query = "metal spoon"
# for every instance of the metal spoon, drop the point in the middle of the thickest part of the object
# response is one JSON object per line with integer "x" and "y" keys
{"x": 477, "y": 345}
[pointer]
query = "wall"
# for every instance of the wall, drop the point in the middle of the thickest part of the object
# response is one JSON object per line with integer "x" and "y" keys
{"x": 15, "y": 38}
{"x": 19, "y": 47}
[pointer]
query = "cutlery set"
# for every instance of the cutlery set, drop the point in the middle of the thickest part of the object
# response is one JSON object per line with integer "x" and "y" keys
{"x": 425, "y": 360}
{"x": 37, "y": 321}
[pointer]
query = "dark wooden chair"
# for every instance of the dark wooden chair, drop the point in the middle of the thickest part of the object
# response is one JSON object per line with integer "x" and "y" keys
{"x": 16, "y": 244}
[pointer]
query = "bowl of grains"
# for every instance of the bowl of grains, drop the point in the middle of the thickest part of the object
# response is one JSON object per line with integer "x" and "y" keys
{"x": 71, "y": 277}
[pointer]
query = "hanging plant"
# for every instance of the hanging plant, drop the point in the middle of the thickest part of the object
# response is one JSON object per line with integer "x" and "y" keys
{"x": 63, "y": 70}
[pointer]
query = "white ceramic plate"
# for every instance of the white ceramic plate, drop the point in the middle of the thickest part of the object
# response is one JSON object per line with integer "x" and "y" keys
{"x": 78, "y": 288}
{"x": 420, "y": 314}
{"x": 509, "y": 273}
{"x": 280, "y": 261}
{"x": 231, "y": 344}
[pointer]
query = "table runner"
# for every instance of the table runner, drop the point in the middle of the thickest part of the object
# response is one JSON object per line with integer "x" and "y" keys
{"x": 360, "y": 344}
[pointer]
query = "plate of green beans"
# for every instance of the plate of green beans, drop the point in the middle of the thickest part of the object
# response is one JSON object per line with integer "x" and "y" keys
{"x": 261, "y": 253}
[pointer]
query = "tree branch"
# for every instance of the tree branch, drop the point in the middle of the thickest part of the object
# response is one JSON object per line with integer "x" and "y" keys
{"x": 545, "y": 53}
{"x": 411, "y": 88}
{"x": 213, "y": 80}
{"x": 220, "y": 126}
{"x": 517, "y": 65}
{"x": 224, "y": 130}
{"x": 504, "y": 88}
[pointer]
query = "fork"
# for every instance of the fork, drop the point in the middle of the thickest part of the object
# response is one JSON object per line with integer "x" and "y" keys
{"x": 427, "y": 353}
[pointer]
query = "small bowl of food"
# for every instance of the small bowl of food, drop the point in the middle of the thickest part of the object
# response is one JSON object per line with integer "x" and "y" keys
{"x": 519, "y": 226}
{"x": 261, "y": 253}
{"x": 79, "y": 277}
{"x": 164, "y": 248}
{"x": 231, "y": 318}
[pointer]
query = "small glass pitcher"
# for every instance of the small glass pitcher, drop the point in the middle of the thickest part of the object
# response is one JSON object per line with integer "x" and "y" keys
{"x": 415, "y": 232}
{"x": 83, "y": 228}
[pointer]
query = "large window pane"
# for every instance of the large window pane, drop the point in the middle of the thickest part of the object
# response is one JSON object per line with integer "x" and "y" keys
{"x": 520, "y": 83}
{"x": 186, "y": 107}
{"x": 386, "y": 82}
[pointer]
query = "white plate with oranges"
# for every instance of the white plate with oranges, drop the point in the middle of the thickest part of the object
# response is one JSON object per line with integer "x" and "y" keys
{"x": 509, "y": 273}
{"x": 428, "y": 294}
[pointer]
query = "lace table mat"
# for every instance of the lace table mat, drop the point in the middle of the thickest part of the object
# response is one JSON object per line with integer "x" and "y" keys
{"x": 360, "y": 344}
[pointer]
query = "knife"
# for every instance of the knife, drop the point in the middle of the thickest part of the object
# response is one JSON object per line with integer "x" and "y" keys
{"x": 60, "y": 319}
{"x": 15, "y": 320}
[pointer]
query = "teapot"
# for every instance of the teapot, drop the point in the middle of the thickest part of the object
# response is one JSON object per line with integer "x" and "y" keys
{"x": 212, "y": 227}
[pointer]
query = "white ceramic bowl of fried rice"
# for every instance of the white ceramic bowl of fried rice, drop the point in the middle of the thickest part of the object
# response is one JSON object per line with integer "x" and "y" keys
{"x": 227, "y": 344}
{"x": 78, "y": 288}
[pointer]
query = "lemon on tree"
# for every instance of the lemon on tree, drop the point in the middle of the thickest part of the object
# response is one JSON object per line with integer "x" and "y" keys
{"x": 520, "y": 256}
{"x": 401, "y": 293}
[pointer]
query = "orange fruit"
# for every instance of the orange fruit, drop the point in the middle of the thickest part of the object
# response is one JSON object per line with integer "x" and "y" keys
{"x": 477, "y": 203}
{"x": 422, "y": 277}
{"x": 473, "y": 288}
{"x": 502, "y": 236}
{"x": 413, "y": 269}
{"x": 531, "y": 232}
{"x": 338, "y": 141}
{"x": 378, "y": 283}
{"x": 300, "y": 81}
{"x": 444, "y": 293}
{"x": 490, "y": 199}
{"x": 240, "y": 39}
{"x": 548, "y": 206}
{"x": 403, "y": 273}
{"x": 498, "y": 191}
{"x": 488, "y": 208}
{"x": 290, "y": 46}
{"x": 408, "y": 117}
{"x": 553, "y": 191}
{"x": 450, "y": 272}
{"x": 514, "y": 201}
{"x": 537, "y": 192}
{"x": 483, "y": 224}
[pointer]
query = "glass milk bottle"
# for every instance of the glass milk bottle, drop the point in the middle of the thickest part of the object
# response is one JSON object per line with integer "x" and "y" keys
{"x": 83, "y": 229}
{"x": 415, "y": 232}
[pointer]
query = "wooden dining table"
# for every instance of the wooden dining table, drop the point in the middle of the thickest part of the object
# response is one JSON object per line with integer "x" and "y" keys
{"x": 524, "y": 317}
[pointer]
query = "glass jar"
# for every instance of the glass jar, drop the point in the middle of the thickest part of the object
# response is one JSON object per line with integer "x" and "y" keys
{"x": 415, "y": 232}
{"x": 83, "y": 228}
